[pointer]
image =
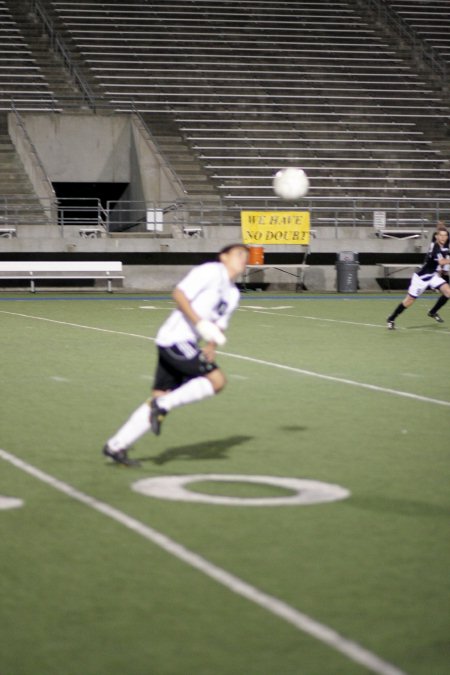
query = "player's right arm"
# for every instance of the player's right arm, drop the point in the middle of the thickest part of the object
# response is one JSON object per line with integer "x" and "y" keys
{"x": 185, "y": 307}
{"x": 207, "y": 330}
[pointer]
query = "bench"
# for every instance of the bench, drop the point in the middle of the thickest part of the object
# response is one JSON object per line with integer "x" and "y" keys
{"x": 8, "y": 232}
{"x": 298, "y": 271}
{"x": 395, "y": 267}
{"x": 407, "y": 228}
{"x": 192, "y": 232}
{"x": 398, "y": 233}
{"x": 34, "y": 270}
{"x": 91, "y": 232}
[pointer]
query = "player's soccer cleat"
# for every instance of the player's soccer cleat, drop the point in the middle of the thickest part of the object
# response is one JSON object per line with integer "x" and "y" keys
{"x": 120, "y": 457}
{"x": 157, "y": 415}
{"x": 390, "y": 324}
{"x": 436, "y": 317}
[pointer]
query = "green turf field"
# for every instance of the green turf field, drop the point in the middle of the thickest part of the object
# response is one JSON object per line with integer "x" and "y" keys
{"x": 318, "y": 390}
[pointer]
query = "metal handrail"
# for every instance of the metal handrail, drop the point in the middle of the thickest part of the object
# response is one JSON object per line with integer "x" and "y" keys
{"x": 46, "y": 195}
{"x": 33, "y": 150}
{"x": 427, "y": 52}
{"x": 57, "y": 44}
{"x": 331, "y": 211}
{"x": 165, "y": 161}
{"x": 173, "y": 216}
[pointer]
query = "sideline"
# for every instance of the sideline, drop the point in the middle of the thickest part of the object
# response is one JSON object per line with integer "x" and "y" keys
{"x": 302, "y": 622}
{"x": 291, "y": 369}
{"x": 166, "y": 296}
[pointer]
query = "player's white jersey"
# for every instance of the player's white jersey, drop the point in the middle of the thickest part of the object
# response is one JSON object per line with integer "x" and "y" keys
{"x": 213, "y": 296}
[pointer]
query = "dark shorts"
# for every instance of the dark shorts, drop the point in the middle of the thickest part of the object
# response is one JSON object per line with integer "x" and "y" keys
{"x": 178, "y": 364}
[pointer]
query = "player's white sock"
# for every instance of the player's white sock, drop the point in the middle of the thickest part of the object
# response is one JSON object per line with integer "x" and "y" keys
{"x": 193, "y": 390}
{"x": 135, "y": 427}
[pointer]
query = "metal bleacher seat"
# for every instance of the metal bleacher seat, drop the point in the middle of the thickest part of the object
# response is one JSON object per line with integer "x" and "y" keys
{"x": 20, "y": 78}
{"x": 251, "y": 88}
{"x": 430, "y": 22}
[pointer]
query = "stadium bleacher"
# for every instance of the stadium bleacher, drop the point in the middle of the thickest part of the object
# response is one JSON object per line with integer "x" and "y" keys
{"x": 232, "y": 91}
{"x": 21, "y": 80}
{"x": 430, "y": 22}
{"x": 254, "y": 86}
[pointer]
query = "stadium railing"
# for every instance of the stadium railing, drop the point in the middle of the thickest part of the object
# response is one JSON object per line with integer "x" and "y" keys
{"x": 58, "y": 46}
{"x": 39, "y": 178}
{"x": 333, "y": 41}
{"x": 89, "y": 218}
{"x": 20, "y": 77}
{"x": 417, "y": 35}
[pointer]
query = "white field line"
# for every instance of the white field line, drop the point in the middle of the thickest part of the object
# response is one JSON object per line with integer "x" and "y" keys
{"x": 318, "y": 318}
{"x": 350, "y": 323}
{"x": 291, "y": 369}
{"x": 261, "y": 307}
{"x": 302, "y": 622}
{"x": 341, "y": 380}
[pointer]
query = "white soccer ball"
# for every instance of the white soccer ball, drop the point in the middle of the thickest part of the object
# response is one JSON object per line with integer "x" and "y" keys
{"x": 290, "y": 183}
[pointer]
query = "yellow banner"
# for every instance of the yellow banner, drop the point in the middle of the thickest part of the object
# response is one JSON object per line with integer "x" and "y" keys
{"x": 267, "y": 228}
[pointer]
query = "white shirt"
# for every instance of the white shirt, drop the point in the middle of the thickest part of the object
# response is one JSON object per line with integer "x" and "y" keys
{"x": 213, "y": 296}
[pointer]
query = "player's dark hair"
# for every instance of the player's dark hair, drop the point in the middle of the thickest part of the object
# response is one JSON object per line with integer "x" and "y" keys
{"x": 230, "y": 247}
{"x": 440, "y": 228}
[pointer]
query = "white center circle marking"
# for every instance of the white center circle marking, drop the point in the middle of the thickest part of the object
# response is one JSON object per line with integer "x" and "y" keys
{"x": 10, "y": 503}
{"x": 306, "y": 491}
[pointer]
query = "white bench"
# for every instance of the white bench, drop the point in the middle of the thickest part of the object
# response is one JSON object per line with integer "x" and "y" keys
{"x": 405, "y": 228}
{"x": 8, "y": 232}
{"x": 398, "y": 233}
{"x": 35, "y": 270}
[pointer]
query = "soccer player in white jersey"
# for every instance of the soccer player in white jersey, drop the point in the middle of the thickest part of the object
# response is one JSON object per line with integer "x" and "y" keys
{"x": 186, "y": 370}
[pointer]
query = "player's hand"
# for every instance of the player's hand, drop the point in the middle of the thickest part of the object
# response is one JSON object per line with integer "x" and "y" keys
{"x": 209, "y": 352}
{"x": 210, "y": 332}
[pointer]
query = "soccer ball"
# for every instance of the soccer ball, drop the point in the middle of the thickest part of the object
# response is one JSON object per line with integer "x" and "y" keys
{"x": 290, "y": 183}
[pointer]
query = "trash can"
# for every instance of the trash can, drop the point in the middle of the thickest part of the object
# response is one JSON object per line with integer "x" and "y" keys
{"x": 347, "y": 272}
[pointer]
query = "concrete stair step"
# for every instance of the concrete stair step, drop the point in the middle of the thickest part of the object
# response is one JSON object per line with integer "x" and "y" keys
{"x": 193, "y": 177}
{"x": 7, "y": 156}
{"x": 198, "y": 190}
{"x": 12, "y": 189}
{"x": 16, "y": 176}
{"x": 17, "y": 184}
{"x": 51, "y": 68}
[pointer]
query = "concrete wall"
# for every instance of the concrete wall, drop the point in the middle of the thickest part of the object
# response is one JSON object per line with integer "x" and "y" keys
{"x": 159, "y": 183}
{"x": 91, "y": 148}
{"x": 151, "y": 180}
{"x": 36, "y": 172}
{"x": 102, "y": 148}
{"x": 82, "y": 148}
{"x": 87, "y": 148}
{"x": 163, "y": 277}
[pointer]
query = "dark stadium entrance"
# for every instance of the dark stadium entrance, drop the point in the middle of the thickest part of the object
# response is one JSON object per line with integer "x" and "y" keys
{"x": 85, "y": 204}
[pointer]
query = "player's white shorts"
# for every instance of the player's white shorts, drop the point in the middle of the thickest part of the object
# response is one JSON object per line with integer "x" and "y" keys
{"x": 420, "y": 284}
